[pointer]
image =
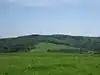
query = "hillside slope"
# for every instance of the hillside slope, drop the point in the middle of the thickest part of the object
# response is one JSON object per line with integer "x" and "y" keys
{"x": 44, "y": 47}
{"x": 27, "y": 43}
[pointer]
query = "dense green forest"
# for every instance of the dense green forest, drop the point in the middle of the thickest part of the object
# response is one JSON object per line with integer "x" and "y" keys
{"x": 29, "y": 42}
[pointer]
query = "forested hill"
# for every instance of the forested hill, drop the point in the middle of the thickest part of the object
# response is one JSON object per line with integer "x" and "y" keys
{"x": 27, "y": 43}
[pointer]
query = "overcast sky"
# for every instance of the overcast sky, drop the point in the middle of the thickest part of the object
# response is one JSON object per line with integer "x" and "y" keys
{"x": 70, "y": 17}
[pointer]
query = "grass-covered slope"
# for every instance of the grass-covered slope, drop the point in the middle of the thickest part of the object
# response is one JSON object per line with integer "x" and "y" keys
{"x": 43, "y": 47}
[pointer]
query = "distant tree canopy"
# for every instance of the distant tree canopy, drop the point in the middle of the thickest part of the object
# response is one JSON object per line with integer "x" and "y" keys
{"x": 26, "y": 43}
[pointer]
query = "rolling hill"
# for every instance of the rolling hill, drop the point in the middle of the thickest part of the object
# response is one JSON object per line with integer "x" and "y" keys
{"x": 53, "y": 42}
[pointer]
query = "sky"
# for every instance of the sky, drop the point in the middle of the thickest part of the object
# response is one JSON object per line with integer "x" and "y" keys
{"x": 69, "y": 17}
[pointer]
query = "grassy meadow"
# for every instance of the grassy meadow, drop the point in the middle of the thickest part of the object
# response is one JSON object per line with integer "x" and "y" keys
{"x": 49, "y": 64}
{"x": 43, "y": 47}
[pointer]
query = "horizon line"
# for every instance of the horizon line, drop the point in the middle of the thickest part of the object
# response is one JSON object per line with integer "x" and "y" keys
{"x": 2, "y": 37}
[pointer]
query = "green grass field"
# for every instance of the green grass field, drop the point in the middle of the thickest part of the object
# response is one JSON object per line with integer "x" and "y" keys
{"x": 49, "y": 64}
{"x": 43, "y": 47}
